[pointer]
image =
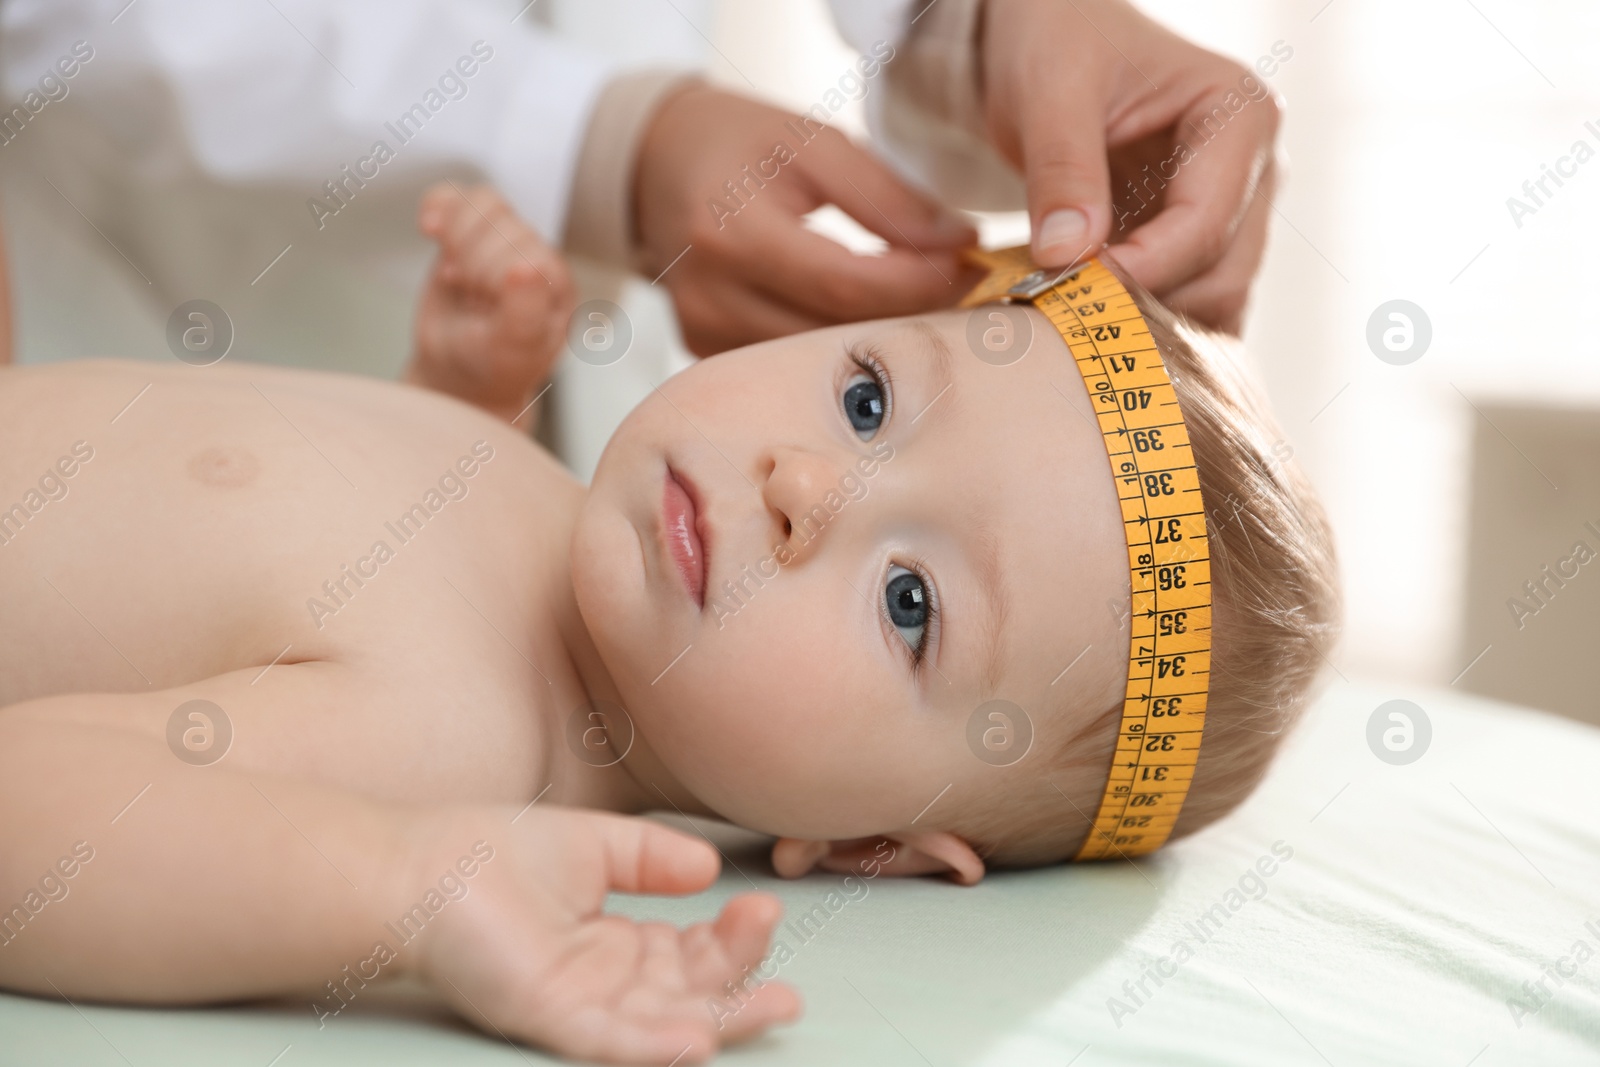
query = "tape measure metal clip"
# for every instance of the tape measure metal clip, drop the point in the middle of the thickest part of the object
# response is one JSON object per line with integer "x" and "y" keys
{"x": 1037, "y": 284}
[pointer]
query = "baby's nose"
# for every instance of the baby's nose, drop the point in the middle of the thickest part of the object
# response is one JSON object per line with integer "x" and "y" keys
{"x": 797, "y": 490}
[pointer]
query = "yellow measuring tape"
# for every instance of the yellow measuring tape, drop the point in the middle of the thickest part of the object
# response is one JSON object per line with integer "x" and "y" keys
{"x": 1169, "y": 655}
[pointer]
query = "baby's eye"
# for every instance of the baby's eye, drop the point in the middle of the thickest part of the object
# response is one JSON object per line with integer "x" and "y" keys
{"x": 863, "y": 405}
{"x": 907, "y": 601}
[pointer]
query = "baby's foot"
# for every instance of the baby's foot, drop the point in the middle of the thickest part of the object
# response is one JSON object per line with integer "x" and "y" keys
{"x": 493, "y": 314}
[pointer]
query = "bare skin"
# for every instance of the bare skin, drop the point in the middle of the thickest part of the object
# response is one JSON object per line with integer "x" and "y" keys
{"x": 402, "y": 715}
{"x": 493, "y": 313}
{"x": 439, "y": 652}
{"x": 760, "y": 273}
{"x": 1079, "y": 97}
{"x": 1112, "y": 120}
{"x": 328, "y": 725}
{"x": 6, "y": 340}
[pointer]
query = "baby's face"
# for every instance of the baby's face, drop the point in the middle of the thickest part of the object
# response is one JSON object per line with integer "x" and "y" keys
{"x": 806, "y": 573}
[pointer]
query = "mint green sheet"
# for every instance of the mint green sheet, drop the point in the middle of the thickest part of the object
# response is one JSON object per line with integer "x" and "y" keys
{"x": 1417, "y": 900}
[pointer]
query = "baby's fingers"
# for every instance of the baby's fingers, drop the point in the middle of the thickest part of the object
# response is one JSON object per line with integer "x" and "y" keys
{"x": 728, "y": 963}
{"x": 750, "y": 1007}
{"x": 736, "y": 943}
{"x": 744, "y": 929}
{"x": 640, "y": 856}
{"x": 654, "y": 1012}
{"x": 533, "y": 313}
{"x": 497, "y": 268}
{"x": 459, "y": 216}
{"x": 438, "y": 208}
{"x": 505, "y": 252}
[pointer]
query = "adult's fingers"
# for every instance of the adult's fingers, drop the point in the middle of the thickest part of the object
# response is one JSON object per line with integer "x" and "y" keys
{"x": 1063, "y": 132}
{"x": 821, "y": 277}
{"x": 1207, "y": 197}
{"x": 841, "y": 173}
{"x": 718, "y": 312}
{"x": 1217, "y": 298}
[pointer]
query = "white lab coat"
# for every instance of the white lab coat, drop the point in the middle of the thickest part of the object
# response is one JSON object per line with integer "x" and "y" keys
{"x": 293, "y": 94}
{"x": 286, "y": 93}
{"x": 227, "y": 152}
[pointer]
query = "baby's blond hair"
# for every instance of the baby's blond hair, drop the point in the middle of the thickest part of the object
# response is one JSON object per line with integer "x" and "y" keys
{"x": 1275, "y": 616}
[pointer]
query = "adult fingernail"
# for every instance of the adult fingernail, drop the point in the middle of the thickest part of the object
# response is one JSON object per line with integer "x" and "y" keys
{"x": 1062, "y": 233}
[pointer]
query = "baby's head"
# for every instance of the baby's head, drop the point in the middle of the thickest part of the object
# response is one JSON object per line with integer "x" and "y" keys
{"x": 891, "y": 533}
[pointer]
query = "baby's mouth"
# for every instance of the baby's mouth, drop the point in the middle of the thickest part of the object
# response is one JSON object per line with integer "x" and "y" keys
{"x": 680, "y": 528}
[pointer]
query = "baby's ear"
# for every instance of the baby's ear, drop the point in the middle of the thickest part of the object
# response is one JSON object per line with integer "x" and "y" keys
{"x": 912, "y": 852}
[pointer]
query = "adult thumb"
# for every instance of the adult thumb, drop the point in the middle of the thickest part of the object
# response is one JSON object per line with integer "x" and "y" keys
{"x": 1064, "y": 163}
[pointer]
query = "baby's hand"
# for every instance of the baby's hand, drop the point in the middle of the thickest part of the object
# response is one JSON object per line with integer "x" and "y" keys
{"x": 530, "y": 955}
{"x": 494, "y": 311}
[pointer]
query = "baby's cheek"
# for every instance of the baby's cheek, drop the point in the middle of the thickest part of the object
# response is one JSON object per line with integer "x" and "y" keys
{"x": 756, "y": 739}
{"x": 742, "y": 719}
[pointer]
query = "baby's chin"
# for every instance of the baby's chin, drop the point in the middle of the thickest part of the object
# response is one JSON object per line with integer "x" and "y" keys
{"x": 608, "y": 586}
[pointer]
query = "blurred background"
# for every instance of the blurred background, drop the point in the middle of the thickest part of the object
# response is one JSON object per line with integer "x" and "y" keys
{"x": 1461, "y": 475}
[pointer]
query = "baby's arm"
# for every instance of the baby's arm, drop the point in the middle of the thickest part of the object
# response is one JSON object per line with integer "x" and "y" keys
{"x": 228, "y": 881}
{"x": 493, "y": 314}
{"x": 194, "y": 882}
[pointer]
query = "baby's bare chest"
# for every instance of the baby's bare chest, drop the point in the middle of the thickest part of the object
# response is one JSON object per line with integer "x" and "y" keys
{"x": 258, "y": 519}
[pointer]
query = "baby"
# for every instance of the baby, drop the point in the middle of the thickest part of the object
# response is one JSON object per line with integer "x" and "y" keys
{"x": 308, "y": 680}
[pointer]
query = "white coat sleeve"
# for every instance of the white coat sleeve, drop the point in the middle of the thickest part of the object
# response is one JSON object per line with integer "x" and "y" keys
{"x": 863, "y": 23}
{"x": 299, "y": 93}
{"x": 927, "y": 120}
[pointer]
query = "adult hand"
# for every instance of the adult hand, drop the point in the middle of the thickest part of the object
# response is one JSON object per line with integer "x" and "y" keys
{"x": 1090, "y": 95}
{"x": 752, "y": 270}
{"x": 528, "y": 952}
